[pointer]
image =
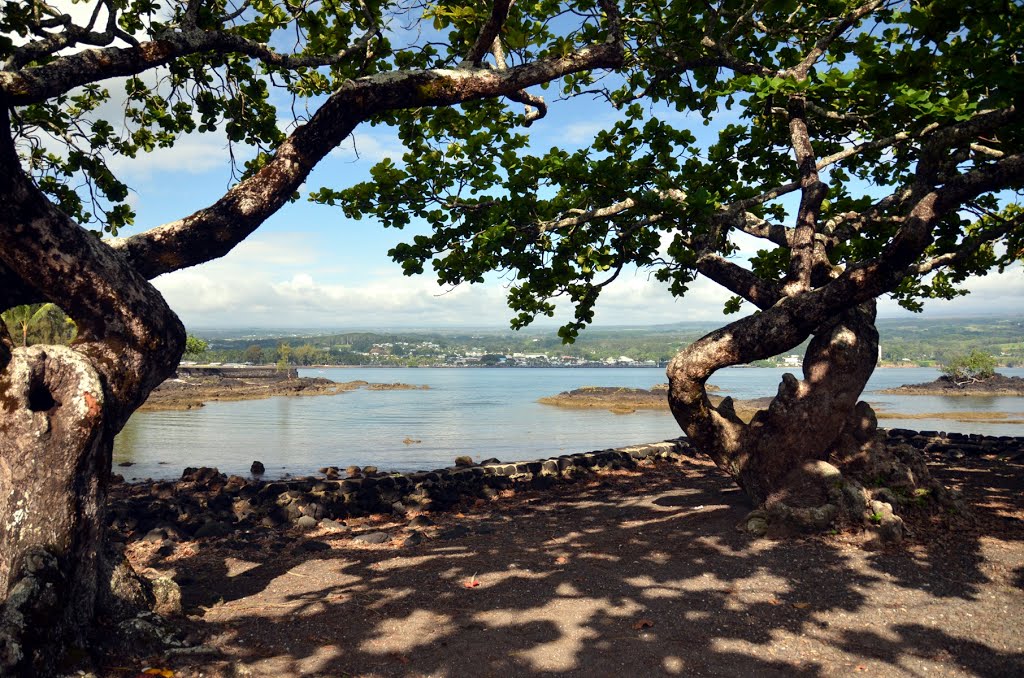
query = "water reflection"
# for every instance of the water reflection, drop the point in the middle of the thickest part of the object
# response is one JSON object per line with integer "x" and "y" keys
{"x": 482, "y": 413}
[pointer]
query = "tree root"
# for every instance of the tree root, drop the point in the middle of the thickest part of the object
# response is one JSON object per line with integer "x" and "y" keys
{"x": 34, "y": 641}
{"x": 866, "y": 484}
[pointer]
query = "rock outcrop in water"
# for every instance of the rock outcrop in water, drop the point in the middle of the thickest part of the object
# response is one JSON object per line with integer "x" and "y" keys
{"x": 997, "y": 385}
{"x": 190, "y": 390}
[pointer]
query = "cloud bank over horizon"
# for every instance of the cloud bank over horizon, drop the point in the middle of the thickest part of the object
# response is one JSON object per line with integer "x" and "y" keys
{"x": 279, "y": 281}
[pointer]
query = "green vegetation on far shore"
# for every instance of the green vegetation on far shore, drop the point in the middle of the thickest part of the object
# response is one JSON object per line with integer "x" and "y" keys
{"x": 914, "y": 342}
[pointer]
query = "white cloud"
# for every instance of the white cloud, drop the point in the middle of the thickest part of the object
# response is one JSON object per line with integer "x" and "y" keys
{"x": 993, "y": 294}
{"x": 191, "y": 154}
{"x": 370, "y": 145}
{"x": 275, "y": 282}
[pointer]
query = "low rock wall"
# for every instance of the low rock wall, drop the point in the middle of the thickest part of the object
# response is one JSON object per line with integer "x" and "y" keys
{"x": 207, "y": 503}
{"x": 958, "y": 445}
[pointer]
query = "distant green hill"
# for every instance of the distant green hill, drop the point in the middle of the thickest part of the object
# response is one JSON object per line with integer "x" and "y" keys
{"x": 915, "y": 340}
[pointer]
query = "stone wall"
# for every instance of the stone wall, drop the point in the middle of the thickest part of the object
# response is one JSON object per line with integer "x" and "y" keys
{"x": 208, "y": 503}
{"x": 958, "y": 445}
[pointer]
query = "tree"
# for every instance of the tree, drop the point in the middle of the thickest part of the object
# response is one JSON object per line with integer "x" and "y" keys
{"x": 194, "y": 346}
{"x": 970, "y": 367}
{"x": 254, "y": 354}
{"x": 859, "y": 149}
{"x": 28, "y": 317}
{"x": 209, "y": 65}
{"x": 308, "y": 354}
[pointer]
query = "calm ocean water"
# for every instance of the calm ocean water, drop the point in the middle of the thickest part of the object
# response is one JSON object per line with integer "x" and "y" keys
{"x": 478, "y": 412}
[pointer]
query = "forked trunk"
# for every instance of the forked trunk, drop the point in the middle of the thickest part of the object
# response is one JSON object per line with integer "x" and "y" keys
{"x": 802, "y": 458}
{"x": 804, "y": 419}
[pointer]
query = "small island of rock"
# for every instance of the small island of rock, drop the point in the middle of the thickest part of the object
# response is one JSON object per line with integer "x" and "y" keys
{"x": 191, "y": 387}
{"x": 629, "y": 400}
{"x": 996, "y": 385}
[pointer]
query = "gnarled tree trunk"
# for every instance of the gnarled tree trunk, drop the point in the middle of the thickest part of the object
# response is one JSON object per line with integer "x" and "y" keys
{"x": 60, "y": 408}
{"x": 803, "y": 460}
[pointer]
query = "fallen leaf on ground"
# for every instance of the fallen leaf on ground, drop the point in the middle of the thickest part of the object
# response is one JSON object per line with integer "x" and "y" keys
{"x": 643, "y": 624}
{"x": 472, "y": 582}
{"x": 561, "y": 560}
{"x": 801, "y": 606}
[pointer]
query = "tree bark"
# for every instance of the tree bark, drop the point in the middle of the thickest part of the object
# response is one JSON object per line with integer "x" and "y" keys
{"x": 806, "y": 417}
{"x": 54, "y": 467}
{"x": 60, "y": 408}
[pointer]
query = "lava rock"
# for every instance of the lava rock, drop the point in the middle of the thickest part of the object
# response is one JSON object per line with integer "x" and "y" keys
{"x": 373, "y": 538}
{"x": 214, "y": 528}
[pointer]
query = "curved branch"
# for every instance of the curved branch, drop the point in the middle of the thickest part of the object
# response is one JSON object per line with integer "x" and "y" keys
{"x": 39, "y": 83}
{"x": 131, "y": 336}
{"x": 215, "y": 230}
{"x": 738, "y": 280}
{"x": 536, "y": 108}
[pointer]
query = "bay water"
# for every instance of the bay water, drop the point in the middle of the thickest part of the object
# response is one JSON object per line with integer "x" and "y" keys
{"x": 482, "y": 413}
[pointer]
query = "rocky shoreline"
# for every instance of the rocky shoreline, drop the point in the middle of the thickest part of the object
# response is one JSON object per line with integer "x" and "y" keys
{"x": 205, "y": 503}
{"x": 997, "y": 385}
{"x": 628, "y": 400}
{"x": 185, "y": 392}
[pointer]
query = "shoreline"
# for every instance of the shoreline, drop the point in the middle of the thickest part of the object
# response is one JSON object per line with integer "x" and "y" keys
{"x": 306, "y": 501}
{"x": 190, "y": 392}
{"x": 995, "y": 386}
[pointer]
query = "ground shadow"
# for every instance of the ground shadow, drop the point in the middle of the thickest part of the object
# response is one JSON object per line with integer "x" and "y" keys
{"x": 630, "y": 574}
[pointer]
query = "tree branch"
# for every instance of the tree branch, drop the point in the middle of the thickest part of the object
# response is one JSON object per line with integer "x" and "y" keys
{"x": 488, "y": 35}
{"x": 738, "y": 280}
{"x": 804, "y": 247}
{"x": 801, "y": 70}
{"x": 967, "y": 247}
{"x": 215, "y": 230}
{"x": 39, "y": 83}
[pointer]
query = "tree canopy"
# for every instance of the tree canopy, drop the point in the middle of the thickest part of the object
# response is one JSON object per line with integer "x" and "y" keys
{"x": 83, "y": 84}
{"x": 807, "y": 157}
{"x": 855, "y": 149}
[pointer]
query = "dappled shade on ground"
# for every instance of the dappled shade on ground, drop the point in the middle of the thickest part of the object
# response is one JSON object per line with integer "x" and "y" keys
{"x": 628, "y": 573}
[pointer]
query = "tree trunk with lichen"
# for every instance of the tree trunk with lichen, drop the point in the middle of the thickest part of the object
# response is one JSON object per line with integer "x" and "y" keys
{"x": 813, "y": 458}
{"x": 60, "y": 408}
{"x": 54, "y": 466}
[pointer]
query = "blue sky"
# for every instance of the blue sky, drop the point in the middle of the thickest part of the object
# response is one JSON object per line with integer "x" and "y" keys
{"x": 309, "y": 266}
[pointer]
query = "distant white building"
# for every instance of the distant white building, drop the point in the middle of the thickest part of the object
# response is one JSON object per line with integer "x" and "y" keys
{"x": 792, "y": 360}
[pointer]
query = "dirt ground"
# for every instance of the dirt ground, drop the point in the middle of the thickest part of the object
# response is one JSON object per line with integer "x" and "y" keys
{"x": 628, "y": 574}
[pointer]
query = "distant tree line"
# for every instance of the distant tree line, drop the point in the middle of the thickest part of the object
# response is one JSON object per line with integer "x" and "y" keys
{"x": 924, "y": 343}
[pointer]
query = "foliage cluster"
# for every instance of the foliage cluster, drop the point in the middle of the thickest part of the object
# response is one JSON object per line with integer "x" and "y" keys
{"x": 878, "y": 95}
{"x": 39, "y": 324}
{"x": 973, "y": 366}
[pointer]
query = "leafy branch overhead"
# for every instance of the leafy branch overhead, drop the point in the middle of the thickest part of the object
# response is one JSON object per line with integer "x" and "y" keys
{"x": 86, "y": 88}
{"x": 830, "y": 151}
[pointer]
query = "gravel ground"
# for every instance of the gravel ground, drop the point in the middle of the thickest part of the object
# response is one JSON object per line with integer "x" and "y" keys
{"x": 628, "y": 574}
